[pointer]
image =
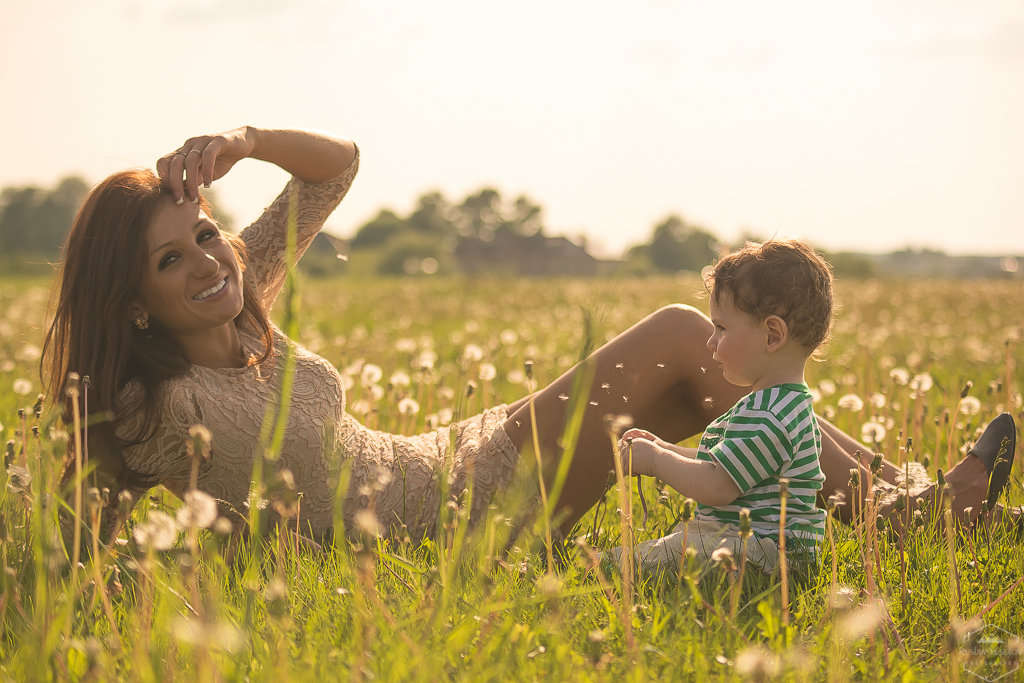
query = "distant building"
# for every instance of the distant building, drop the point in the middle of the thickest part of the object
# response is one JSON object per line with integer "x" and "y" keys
{"x": 527, "y": 255}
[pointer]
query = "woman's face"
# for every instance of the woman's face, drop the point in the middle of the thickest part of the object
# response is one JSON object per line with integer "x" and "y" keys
{"x": 191, "y": 282}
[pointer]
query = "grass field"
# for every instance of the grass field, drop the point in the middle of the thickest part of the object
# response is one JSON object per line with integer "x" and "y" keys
{"x": 931, "y": 608}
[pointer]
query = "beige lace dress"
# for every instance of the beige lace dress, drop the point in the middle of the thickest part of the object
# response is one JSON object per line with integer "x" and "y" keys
{"x": 399, "y": 477}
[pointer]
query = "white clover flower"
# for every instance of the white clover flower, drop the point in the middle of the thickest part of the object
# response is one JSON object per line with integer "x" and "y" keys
{"x": 199, "y": 510}
{"x": 158, "y": 532}
{"x": 487, "y": 372}
{"x": 22, "y": 386}
{"x": 872, "y": 432}
{"x": 370, "y": 375}
{"x": 851, "y": 402}
{"x": 408, "y": 406}
{"x": 900, "y": 375}
{"x": 969, "y": 405}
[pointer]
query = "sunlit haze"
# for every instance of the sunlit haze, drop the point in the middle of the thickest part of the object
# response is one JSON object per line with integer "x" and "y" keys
{"x": 866, "y": 126}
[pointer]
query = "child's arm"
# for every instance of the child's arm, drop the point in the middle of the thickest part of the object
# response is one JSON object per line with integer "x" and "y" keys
{"x": 678, "y": 467}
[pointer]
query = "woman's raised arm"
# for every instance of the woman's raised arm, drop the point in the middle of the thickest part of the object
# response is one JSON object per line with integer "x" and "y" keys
{"x": 309, "y": 156}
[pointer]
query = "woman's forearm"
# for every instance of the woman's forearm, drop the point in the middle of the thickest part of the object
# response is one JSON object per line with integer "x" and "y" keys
{"x": 309, "y": 156}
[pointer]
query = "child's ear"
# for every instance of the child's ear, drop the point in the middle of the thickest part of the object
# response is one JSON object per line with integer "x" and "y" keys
{"x": 777, "y": 332}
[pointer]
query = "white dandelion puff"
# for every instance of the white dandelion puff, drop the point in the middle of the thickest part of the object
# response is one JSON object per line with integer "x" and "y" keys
{"x": 969, "y": 405}
{"x": 199, "y": 510}
{"x": 408, "y": 406}
{"x": 22, "y": 386}
{"x": 900, "y": 375}
{"x": 922, "y": 382}
{"x": 851, "y": 402}
{"x": 370, "y": 375}
{"x": 487, "y": 372}
{"x": 827, "y": 387}
{"x": 158, "y": 532}
{"x": 872, "y": 432}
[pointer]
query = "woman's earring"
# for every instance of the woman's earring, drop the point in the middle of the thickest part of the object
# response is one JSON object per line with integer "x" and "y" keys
{"x": 142, "y": 321}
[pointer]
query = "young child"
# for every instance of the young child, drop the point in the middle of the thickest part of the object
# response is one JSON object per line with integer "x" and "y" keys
{"x": 771, "y": 305}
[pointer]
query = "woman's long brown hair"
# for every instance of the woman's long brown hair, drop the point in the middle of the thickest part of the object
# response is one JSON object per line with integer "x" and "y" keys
{"x": 93, "y": 335}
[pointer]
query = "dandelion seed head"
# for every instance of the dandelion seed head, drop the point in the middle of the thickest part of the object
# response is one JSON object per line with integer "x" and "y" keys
{"x": 473, "y": 353}
{"x": 22, "y": 386}
{"x": 399, "y": 378}
{"x": 405, "y": 345}
{"x": 199, "y": 510}
{"x": 877, "y": 400}
{"x": 408, "y": 407}
{"x": 922, "y": 382}
{"x": 376, "y": 392}
{"x": 970, "y": 406}
{"x": 872, "y": 432}
{"x": 158, "y": 532}
{"x": 487, "y": 372}
{"x": 827, "y": 387}
{"x": 851, "y": 402}
{"x": 900, "y": 376}
{"x": 366, "y": 522}
{"x": 370, "y": 375}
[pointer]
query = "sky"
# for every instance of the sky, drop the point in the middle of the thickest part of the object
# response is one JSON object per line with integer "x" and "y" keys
{"x": 867, "y": 126}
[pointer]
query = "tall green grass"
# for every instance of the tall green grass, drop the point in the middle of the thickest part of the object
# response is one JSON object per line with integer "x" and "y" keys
{"x": 460, "y": 606}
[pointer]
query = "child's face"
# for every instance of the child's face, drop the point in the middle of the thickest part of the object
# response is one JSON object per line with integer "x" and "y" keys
{"x": 738, "y": 342}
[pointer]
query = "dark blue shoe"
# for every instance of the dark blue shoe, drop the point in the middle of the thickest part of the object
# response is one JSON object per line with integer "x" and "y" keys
{"x": 995, "y": 449}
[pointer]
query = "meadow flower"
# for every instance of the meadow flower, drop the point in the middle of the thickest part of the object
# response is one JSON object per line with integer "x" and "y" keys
{"x": 921, "y": 383}
{"x": 399, "y": 378}
{"x": 508, "y": 337}
{"x": 366, "y": 522}
{"x": 970, "y": 406}
{"x": 827, "y": 387}
{"x": 158, "y": 532}
{"x": 370, "y": 375}
{"x": 22, "y": 386}
{"x": 425, "y": 360}
{"x": 851, "y": 402}
{"x": 360, "y": 407}
{"x": 375, "y": 391}
{"x": 722, "y": 556}
{"x": 408, "y": 406}
{"x": 877, "y": 400}
{"x": 406, "y": 345}
{"x": 199, "y": 510}
{"x": 757, "y": 663}
{"x": 487, "y": 372}
{"x": 516, "y": 376}
{"x": 472, "y": 353}
{"x": 900, "y": 376}
{"x": 872, "y": 432}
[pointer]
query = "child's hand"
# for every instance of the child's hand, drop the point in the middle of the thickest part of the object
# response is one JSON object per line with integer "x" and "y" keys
{"x": 636, "y": 433}
{"x": 637, "y": 454}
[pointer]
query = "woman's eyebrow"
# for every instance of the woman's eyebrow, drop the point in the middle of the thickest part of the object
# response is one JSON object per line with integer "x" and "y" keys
{"x": 201, "y": 221}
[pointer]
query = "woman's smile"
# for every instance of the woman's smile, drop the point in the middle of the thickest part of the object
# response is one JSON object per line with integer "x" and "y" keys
{"x": 207, "y": 293}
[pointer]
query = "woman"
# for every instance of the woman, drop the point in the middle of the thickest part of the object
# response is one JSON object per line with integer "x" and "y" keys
{"x": 167, "y": 315}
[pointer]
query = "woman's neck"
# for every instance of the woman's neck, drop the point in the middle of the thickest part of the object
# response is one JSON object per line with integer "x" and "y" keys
{"x": 219, "y": 347}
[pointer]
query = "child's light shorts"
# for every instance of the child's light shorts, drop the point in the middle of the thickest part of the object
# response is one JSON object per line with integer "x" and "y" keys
{"x": 704, "y": 536}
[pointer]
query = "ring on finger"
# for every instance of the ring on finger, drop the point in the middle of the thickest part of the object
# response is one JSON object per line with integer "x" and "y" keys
{"x": 196, "y": 150}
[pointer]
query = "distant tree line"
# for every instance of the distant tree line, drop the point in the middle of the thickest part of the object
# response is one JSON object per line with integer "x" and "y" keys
{"x": 430, "y": 239}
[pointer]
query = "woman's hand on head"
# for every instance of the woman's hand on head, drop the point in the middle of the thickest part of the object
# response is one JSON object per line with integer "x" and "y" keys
{"x": 201, "y": 160}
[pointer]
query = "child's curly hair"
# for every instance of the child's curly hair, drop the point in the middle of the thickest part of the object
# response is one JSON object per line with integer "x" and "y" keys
{"x": 779, "y": 277}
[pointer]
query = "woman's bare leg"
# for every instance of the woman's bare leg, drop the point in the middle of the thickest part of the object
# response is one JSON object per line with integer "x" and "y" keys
{"x": 659, "y": 372}
{"x": 967, "y": 479}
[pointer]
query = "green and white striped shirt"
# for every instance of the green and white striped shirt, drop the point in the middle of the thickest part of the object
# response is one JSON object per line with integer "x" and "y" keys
{"x": 769, "y": 434}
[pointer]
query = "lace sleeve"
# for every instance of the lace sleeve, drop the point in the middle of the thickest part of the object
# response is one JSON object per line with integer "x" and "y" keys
{"x": 266, "y": 239}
